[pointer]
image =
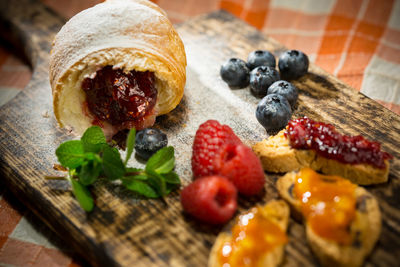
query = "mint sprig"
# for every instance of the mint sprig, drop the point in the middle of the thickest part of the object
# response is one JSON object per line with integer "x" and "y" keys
{"x": 130, "y": 144}
{"x": 91, "y": 158}
{"x": 71, "y": 154}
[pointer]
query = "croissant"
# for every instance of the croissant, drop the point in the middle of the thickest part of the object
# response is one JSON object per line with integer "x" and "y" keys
{"x": 118, "y": 65}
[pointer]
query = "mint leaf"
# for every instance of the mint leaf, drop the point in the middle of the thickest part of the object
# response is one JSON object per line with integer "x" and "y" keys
{"x": 70, "y": 154}
{"x": 137, "y": 173}
{"x": 142, "y": 176}
{"x": 113, "y": 167}
{"x": 130, "y": 144}
{"x": 130, "y": 170}
{"x": 83, "y": 195}
{"x": 90, "y": 156}
{"x": 89, "y": 172}
{"x": 163, "y": 161}
{"x": 141, "y": 188}
{"x": 170, "y": 188}
{"x": 92, "y": 139}
{"x": 157, "y": 182}
{"x": 172, "y": 178}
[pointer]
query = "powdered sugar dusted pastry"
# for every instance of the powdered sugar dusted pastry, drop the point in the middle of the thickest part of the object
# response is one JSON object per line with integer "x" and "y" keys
{"x": 118, "y": 65}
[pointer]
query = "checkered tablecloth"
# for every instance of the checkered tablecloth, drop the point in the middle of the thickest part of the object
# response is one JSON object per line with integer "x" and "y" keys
{"x": 356, "y": 40}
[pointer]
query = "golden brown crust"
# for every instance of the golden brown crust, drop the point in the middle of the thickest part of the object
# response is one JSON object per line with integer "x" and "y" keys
{"x": 277, "y": 156}
{"x": 275, "y": 210}
{"x": 366, "y": 227}
{"x": 129, "y": 34}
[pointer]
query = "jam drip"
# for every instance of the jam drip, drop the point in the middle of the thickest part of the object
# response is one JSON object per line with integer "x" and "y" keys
{"x": 119, "y": 98}
{"x": 253, "y": 236}
{"x": 323, "y": 138}
{"x": 328, "y": 203}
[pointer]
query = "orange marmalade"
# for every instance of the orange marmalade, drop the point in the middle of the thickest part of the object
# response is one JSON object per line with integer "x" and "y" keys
{"x": 328, "y": 203}
{"x": 253, "y": 236}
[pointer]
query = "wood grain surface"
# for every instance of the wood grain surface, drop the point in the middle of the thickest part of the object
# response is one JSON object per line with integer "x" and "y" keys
{"x": 126, "y": 230}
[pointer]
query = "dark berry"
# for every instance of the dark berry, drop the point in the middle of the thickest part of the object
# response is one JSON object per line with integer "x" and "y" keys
{"x": 261, "y": 78}
{"x": 260, "y": 58}
{"x": 235, "y": 73}
{"x": 293, "y": 64}
{"x": 149, "y": 141}
{"x": 211, "y": 199}
{"x": 285, "y": 89}
{"x": 273, "y": 112}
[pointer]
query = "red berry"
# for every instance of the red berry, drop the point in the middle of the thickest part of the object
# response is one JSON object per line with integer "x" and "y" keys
{"x": 240, "y": 165}
{"x": 210, "y": 136}
{"x": 211, "y": 199}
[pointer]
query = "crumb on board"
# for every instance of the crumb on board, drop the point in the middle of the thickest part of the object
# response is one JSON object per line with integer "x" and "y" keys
{"x": 45, "y": 114}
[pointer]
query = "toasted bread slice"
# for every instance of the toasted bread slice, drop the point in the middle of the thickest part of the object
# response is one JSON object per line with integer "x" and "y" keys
{"x": 277, "y": 211}
{"x": 277, "y": 156}
{"x": 366, "y": 227}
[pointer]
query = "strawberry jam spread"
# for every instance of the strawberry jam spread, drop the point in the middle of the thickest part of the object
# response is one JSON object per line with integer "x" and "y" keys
{"x": 323, "y": 138}
{"x": 122, "y": 99}
{"x": 253, "y": 236}
{"x": 328, "y": 203}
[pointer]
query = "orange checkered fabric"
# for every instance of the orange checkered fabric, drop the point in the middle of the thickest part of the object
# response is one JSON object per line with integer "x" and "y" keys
{"x": 357, "y": 40}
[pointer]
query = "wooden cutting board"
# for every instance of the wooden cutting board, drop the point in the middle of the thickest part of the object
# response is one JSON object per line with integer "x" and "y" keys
{"x": 124, "y": 230}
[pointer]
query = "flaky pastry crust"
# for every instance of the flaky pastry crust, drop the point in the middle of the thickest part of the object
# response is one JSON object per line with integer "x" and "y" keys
{"x": 127, "y": 34}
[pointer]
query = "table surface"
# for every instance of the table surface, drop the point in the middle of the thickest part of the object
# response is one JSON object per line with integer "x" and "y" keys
{"x": 21, "y": 233}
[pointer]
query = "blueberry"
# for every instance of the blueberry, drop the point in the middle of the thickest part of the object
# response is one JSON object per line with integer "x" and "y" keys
{"x": 235, "y": 73}
{"x": 273, "y": 112}
{"x": 260, "y": 58}
{"x": 149, "y": 141}
{"x": 285, "y": 89}
{"x": 293, "y": 64}
{"x": 261, "y": 78}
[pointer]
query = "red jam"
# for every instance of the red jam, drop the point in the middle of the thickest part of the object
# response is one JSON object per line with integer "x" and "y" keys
{"x": 120, "y": 98}
{"x": 323, "y": 138}
{"x": 328, "y": 203}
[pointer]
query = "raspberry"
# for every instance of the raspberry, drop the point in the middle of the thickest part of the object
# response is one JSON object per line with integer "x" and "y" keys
{"x": 210, "y": 136}
{"x": 240, "y": 165}
{"x": 211, "y": 199}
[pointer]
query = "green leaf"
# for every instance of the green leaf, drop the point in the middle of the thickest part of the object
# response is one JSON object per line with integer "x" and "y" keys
{"x": 172, "y": 178}
{"x": 89, "y": 172}
{"x": 157, "y": 182}
{"x": 133, "y": 170}
{"x": 163, "y": 161}
{"x": 141, "y": 188}
{"x": 90, "y": 156}
{"x": 113, "y": 167}
{"x": 70, "y": 154}
{"x": 142, "y": 176}
{"x": 130, "y": 144}
{"x": 83, "y": 195}
{"x": 137, "y": 173}
{"x": 171, "y": 187}
{"x": 92, "y": 139}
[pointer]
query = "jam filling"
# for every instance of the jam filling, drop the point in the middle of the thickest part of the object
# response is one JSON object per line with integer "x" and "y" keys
{"x": 119, "y": 98}
{"x": 328, "y": 203}
{"x": 323, "y": 138}
{"x": 252, "y": 237}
